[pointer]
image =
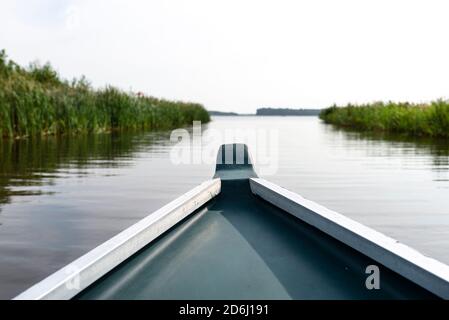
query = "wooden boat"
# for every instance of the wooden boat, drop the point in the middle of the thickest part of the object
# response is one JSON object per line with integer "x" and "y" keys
{"x": 238, "y": 236}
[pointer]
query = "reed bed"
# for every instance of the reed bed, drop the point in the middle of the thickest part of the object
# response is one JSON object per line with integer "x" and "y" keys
{"x": 35, "y": 101}
{"x": 427, "y": 120}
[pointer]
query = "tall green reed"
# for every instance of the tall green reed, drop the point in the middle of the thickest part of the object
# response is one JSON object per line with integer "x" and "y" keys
{"x": 430, "y": 119}
{"x": 36, "y": 101}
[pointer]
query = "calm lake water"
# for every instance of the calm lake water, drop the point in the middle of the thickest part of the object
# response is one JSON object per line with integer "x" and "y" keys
{"x": 61, "y": 197}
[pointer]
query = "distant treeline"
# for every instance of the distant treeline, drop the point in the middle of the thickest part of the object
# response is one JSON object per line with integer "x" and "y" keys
{"x": 430, "y": 119}
{"x": 287, "y": 112}
{"x": 35, "y": 101}
{"x": 220, "y": 113}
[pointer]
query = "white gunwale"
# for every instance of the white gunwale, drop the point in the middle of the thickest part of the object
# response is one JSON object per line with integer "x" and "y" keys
{"x": 428, "y": 273}
{"x": 78, "y": 275}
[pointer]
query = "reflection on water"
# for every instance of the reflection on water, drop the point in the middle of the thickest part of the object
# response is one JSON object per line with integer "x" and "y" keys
{"x": 417, "y": 153}
{"x": 60, "y": 197}
{"x": 26, "y": 165}
{"x": 386, "y": 145}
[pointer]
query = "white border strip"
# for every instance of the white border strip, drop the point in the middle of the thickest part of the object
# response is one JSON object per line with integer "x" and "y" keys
{"x": 424, "y": 271}
{"x": 78, "y": 275}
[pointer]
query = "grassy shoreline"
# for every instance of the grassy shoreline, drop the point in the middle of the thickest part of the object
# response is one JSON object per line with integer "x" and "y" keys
{"x": 420, "y": 120}
{"x": 36, "y": 101}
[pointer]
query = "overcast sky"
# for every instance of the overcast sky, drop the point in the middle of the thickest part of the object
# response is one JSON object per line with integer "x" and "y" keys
{"x": 241, "y": 55}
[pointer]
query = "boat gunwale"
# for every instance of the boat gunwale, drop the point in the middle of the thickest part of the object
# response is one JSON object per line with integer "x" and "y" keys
{"x": 72, "y": 279}
{"x": 427, "y": 272}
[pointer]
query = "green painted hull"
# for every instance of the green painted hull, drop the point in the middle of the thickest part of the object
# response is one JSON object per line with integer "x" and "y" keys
{"x": 238, "y": 246}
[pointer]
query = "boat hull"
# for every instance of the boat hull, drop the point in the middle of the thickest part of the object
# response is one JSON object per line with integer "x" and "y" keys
{"x": 241, "y": 237}
{"x": 239, "y": 246}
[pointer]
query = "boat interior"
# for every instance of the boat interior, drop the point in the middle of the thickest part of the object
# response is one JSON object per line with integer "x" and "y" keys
{"x": 239, "y": 246}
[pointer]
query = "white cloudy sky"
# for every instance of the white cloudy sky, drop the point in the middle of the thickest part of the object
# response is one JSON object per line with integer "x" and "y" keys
{"x": 240, "y": 55}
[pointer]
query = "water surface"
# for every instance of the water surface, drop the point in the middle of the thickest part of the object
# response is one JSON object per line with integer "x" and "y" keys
{"x": 60, "y": 197}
